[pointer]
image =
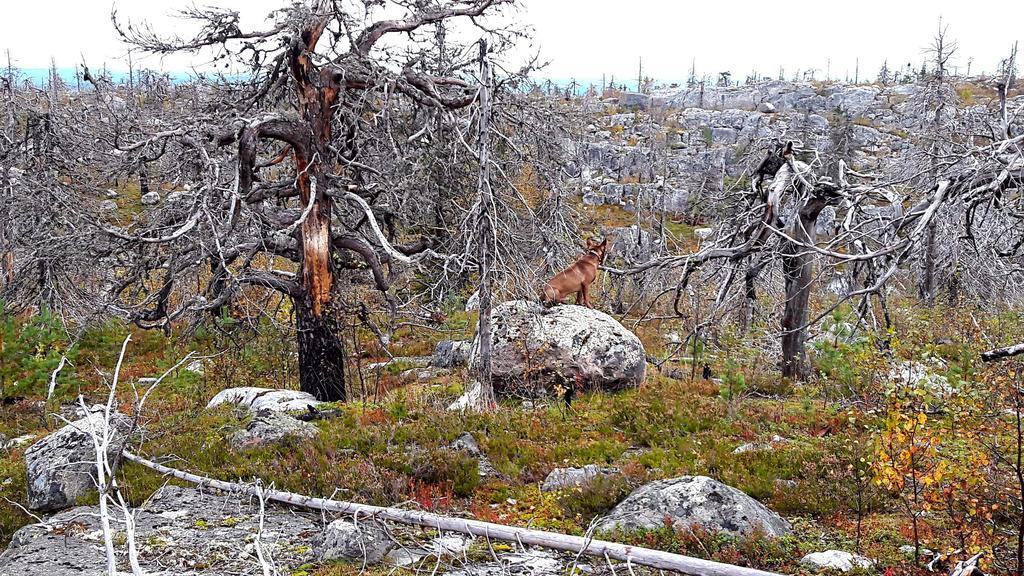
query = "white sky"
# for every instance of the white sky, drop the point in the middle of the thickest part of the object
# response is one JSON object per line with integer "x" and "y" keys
{"x": 588, "y": 38}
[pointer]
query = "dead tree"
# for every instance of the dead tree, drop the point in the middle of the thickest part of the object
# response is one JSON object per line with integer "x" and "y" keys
{"x": 331, "y": 89}
{"x": 485, "y": 229}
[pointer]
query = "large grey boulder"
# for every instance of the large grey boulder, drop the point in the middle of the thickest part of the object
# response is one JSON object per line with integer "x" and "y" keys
{"x": 150, "y": 198}
{"x": 257, "y": 399}
{"x": 62, "y": 466}
{"x": 834, "y": 560}
{"x": 536, "y": 349}
{"x": 269, "y": 427}
{"x": 345, "y": 540}
{"x": 451, "y": 354}
{"x": 694, "y": 501}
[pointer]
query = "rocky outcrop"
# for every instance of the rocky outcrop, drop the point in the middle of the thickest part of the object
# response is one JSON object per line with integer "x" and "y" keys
{"x": 62, "y": 466}
{"x": 781, "y": 96}
{"x": 568, "y": 478}
{"x": 632, "y": 245}
{"x": 193, "y": 532}
{"x": 536, "y": 349}
{"x": 917, "y": 375}
{"x": 257, "y": 399}
{"x": 633, "y": 197}
{"x": 268, "y": 427}
{"x": 835, "y": 560}
{"x": 694, "y": 501}
{"x": 179, "y": 531}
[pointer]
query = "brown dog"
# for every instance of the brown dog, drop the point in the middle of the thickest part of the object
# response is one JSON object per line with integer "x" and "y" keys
{"x": 576, "y": 279}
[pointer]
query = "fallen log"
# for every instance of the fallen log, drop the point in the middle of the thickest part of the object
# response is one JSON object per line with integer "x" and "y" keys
{"x": 490, "y": 530}
{"x": 1000, "y": 353}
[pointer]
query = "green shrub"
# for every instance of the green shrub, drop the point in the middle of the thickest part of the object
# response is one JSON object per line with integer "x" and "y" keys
{"x": 30, "y": 350}
{"x": 595, "y": 497}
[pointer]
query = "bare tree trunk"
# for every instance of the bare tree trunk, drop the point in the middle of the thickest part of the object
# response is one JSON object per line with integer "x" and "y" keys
{"x": 798, "y": 271}
{"x": 6, "y": 250}
{"x": 485, "y": 228}
{"x": 6, "y": 187}
{"x": 321, "y": 354}
{"x": 143, "y": 180}
{"x": 927, "y": 286}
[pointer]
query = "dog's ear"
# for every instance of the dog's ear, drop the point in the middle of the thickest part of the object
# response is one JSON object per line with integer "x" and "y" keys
{"x": 604, "y": 243}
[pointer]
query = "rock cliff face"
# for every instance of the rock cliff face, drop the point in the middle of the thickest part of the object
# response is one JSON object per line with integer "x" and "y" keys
{"x": 673, "y": 150}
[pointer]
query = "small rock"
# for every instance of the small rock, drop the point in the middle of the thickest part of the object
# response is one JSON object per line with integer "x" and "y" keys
{"x": 565, "y": 478}
{"x": 20, "y": 441}
{"x": 344, "y": 540}
{"x": 450, "y": 545}
{"x": 749, "y": 447}
{"x": 150, "y": 198}
{"x": 423, "y": 374}
{"x": 466, "y": 443}
{"x": 110, "y": 193}
{"x": 269, "y": 427}
{"x": 473, "y": 303}
{"x": 15, "y": 174}
{"x": 402, "y": 557}
{"x": 195, "y": 367}
{"x": 835, "y": 560}
{"x": 257, "y": 399}
{"x": 703, "y": 233}
{"x": 766, "y": 107}
{"x": 471, "y": 399}
{"x": 908, "y": 551}
{"x": 179, "y": 197}
{"x": 451, "y": 353}
{"x": 108, "y": 206}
